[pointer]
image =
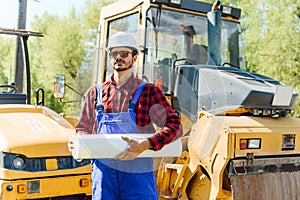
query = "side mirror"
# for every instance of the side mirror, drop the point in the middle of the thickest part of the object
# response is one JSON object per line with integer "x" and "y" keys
{"x": 59, "y": 86}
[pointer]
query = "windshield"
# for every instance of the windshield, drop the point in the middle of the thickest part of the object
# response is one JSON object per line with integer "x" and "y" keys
{"x": 183, "y": 38}
{"x": 127, "y": 24}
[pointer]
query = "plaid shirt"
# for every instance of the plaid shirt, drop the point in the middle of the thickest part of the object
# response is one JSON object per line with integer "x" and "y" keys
{"x": 152, "y": 107}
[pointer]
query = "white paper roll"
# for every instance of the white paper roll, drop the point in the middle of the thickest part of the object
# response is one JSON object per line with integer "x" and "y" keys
{"x": 109, "y": 145}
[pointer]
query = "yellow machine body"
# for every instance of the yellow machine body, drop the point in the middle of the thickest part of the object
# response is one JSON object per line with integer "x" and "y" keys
{"x": 34, "y": 157}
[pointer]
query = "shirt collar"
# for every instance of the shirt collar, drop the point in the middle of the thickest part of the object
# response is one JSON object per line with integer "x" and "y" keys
{"x": 129, "y": 83}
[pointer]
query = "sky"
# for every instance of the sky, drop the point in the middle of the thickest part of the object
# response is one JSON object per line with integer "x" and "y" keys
{"x": 9, "y": 10}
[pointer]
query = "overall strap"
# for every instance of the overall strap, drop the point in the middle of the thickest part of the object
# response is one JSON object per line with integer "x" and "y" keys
{"x": 99, "y": 97}
{"x": 136, "y": 95}
{"x": 99, "y": 103}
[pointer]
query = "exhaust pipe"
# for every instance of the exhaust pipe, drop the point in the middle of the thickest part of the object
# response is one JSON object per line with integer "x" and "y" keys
{"x": 214, "y": 35}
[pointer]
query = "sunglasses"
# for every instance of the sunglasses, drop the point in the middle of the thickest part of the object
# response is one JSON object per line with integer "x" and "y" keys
{"x": 123, "y": 54}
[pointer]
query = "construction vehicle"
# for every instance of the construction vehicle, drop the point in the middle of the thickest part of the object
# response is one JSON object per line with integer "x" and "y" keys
{"x": 34, "y": 159}
{"x": 238, "y": 142}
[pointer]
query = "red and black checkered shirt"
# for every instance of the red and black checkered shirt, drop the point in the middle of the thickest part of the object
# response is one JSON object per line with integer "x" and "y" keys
{"x": 151, "y": 108}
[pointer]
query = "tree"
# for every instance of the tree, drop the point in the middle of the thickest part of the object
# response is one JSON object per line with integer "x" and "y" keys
{"x": 5, "y": 59}
{"x": 61, "y": 51}
{"x": 67, "y": 49}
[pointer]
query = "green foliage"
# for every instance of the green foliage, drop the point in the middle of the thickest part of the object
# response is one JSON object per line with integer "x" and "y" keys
{"x": 5, "y": 64}
{"x": 62, "y": 53}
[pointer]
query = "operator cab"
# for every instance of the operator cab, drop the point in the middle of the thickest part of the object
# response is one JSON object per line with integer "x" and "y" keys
{"x": 198, "y": 63}
{"x": 168, "y": 34}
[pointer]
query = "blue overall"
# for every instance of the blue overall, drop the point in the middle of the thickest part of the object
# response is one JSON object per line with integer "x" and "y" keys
{"x": 121, "y": 180}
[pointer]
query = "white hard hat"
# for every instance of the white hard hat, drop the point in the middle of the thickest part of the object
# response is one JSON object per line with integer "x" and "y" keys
{"x": 122, "y": 39}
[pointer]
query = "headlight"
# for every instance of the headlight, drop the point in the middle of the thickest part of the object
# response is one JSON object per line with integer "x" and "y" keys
{"x": 18, "y": 162}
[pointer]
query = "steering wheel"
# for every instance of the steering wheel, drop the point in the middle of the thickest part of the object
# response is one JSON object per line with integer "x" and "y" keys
{"x": 13, "y": 90}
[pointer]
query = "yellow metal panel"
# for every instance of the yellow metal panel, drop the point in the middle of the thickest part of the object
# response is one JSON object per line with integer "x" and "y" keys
{"x": 72, "y": 120}
{"x": 15, "y": 174}
{"x": 51, "y": 164}
{"x": 47, "y": 187}
{"x": 271, "y": 144}
{"x": 16, "y": 108}
{"x": 270, "y": 130}
{"x": 37, "y": 134}
{"x": 120, "y": 7}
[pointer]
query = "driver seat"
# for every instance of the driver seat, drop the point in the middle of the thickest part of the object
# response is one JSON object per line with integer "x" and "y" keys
{"x": 198, "y": 54}
{"x": 8, "y": 98}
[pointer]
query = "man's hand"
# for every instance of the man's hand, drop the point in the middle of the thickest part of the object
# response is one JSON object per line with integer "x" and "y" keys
{"x": 135, "y": 148}
{"x": 70, "y": 145}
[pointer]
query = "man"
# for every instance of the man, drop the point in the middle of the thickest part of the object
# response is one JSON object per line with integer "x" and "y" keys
{"x": 125, "y": 104}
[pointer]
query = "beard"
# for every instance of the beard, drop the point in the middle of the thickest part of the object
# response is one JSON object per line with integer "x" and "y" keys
{"x": 120, "y": 69}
